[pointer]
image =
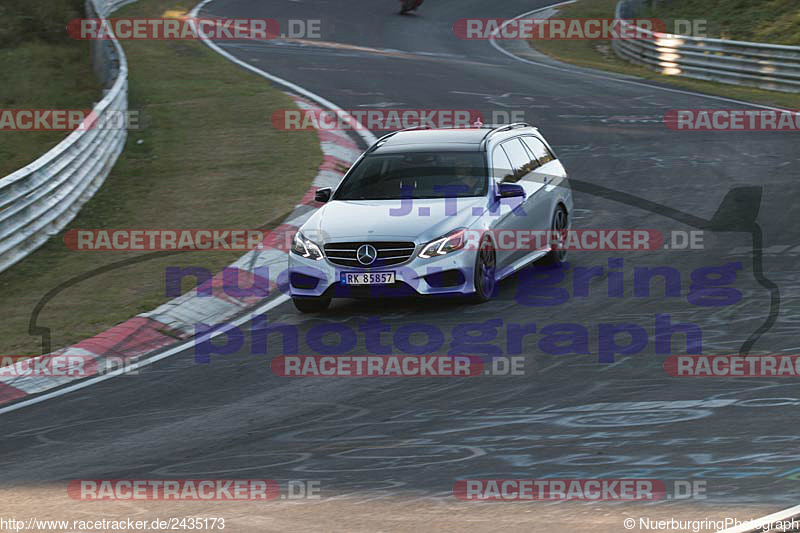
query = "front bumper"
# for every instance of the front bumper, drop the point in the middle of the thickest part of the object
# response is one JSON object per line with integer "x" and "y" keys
{"x": 447, "y": 274}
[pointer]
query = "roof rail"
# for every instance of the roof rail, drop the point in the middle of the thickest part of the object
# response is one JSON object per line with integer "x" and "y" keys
{"x": 508, "y": 127}
{"x": 382, "y": 139}
{"x": 504, "y": 127}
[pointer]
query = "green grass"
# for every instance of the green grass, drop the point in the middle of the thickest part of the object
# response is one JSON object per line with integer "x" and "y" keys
{"x": 42, "y": 68}
{"x": 765, "y": 21}
{"x": 598, "y": 54}
{"x": 205, "y": 156}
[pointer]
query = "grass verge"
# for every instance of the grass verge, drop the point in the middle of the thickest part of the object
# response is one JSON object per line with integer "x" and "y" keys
{"x": 598, "y": 54}
{"x": 41, "y": 69}
{"x": 204, "y": 156}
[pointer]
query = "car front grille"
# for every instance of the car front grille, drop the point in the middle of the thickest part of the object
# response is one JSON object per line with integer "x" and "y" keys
{"x": 389, "y": 253}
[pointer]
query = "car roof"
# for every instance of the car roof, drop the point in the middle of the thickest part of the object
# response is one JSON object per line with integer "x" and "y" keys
{"x": 447, "y": 139}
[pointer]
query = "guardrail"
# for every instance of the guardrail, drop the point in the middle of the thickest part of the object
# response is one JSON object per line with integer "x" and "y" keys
{"x": 38, "y": 200}
{"x": 766, "y": 66}
{"x": 105, "y": 7}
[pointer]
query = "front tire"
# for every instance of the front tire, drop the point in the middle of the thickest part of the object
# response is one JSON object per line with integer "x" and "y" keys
{"x": 485, "y": 271}
{"x": 311, "y": 304}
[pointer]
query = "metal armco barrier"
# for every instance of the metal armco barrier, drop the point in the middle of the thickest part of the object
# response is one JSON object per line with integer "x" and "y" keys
{"x": 38, "y": 200}
{"x": 766, "y": 66}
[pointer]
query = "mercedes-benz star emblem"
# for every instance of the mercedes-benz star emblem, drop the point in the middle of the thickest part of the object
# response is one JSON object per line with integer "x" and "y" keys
{"x": 366, "y": 254}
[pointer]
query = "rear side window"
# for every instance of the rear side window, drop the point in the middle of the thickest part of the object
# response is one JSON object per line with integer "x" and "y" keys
{"x": 521, "y": 160}
{"x": 538, "y": 149}
{"x": 502, "y": 166}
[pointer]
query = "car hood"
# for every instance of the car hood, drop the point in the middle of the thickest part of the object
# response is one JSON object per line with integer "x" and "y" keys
{"x": 371, "y": 220}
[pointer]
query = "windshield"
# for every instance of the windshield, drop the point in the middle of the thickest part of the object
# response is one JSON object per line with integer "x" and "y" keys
{"x": 415, "y": 175}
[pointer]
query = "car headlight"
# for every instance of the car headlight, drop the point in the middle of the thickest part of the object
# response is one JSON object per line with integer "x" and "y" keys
{"x": 305, "y": 247}
{"x": 455, "y": 240}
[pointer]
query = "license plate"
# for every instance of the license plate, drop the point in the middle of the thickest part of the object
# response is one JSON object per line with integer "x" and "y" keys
{"x": 367, "y": 278}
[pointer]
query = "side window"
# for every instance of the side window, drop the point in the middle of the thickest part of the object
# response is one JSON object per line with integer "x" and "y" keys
{"x": 538, "y": 149}
{"x": 522, "y": 162}
{"x": 502, "y": 166}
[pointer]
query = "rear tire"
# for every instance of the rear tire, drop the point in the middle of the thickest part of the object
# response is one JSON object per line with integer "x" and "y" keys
{"x": 485, "y": 271}
{"x": 311, "y": 304}
{"x": 560, "y": 226}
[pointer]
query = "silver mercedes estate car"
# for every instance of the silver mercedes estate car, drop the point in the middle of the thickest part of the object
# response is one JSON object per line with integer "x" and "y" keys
{"x": 433, "y": 212}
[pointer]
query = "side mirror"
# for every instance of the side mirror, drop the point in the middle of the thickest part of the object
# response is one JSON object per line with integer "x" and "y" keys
{"x": 510, "y": 190}
{"x": 322, "y": 195}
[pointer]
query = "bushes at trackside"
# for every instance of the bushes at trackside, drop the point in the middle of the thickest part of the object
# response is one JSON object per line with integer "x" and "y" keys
{"x": 762, "y": 21}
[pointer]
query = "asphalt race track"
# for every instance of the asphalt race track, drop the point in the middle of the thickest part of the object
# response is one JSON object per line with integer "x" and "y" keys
{"x": 569, "y": 415}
